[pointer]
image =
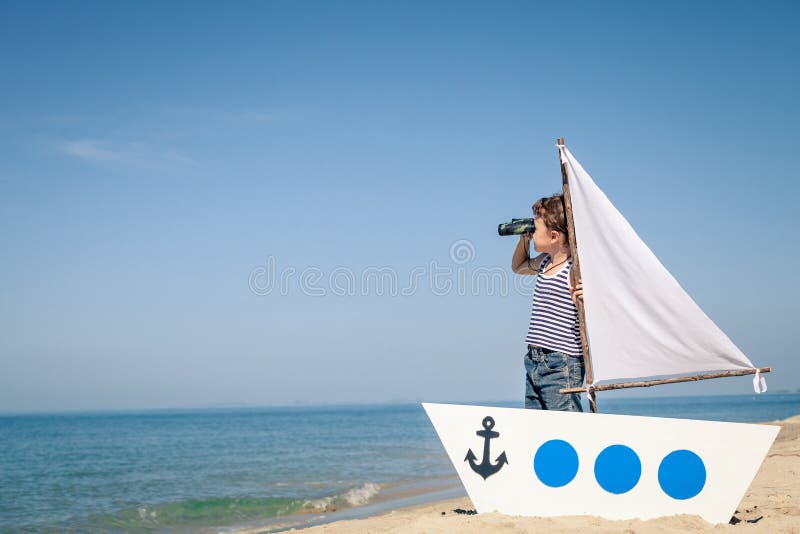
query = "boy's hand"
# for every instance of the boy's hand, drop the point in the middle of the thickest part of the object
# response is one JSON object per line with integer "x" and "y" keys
{"x": 577, "y": 292}
{"x": 527, "y": 236}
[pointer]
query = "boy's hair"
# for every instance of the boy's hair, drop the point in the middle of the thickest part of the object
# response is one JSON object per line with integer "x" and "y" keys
{"x": 551, "y": 211}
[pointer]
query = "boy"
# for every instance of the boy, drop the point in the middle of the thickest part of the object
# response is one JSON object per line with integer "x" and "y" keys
{"x": 555, "y": 353}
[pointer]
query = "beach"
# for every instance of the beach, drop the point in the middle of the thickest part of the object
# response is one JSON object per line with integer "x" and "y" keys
{"x": 771, "y": 504}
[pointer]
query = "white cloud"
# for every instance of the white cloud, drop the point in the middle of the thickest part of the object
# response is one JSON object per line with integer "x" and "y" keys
{"x": 94, "y": 150}
{"x": 131, "y": 154}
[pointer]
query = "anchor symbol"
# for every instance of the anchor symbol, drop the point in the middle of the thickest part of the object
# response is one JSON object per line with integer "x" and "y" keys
{"x": 486, "y": 468}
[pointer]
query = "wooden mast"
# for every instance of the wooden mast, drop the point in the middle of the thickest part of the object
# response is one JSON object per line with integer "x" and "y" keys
{"x": 576, "y": 270}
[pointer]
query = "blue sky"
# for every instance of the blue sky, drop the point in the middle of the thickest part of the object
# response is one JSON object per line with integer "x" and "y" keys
{"x": 158, "y": 158}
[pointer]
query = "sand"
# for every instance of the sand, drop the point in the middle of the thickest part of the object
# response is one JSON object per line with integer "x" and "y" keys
{"x": 771, "y": 504}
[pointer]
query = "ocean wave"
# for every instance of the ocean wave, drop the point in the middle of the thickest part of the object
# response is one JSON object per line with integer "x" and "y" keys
{"x": 362, "y": 495}
{"x": 223, "y": 511}
{"x": 354, "y": 497}
{"x": 192, "y": 513}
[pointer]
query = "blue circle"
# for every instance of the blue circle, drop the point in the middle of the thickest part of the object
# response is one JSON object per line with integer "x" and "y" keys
{"x": 682, "y": 474}
{"x": 617, "y": 469}
{"x": 556, "y": 463}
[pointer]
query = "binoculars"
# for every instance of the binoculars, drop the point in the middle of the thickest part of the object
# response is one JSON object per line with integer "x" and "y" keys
{"x": 516, "y": 227}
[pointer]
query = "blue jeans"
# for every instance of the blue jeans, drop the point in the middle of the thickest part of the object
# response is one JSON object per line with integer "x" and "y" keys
{"x": 546, "y": 372}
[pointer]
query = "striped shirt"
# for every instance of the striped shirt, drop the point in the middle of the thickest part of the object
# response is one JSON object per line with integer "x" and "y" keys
{"x": 554, "y": 317}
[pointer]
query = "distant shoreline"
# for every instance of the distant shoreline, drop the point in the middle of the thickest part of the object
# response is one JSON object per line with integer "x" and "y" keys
{"x": 312, "y": 406}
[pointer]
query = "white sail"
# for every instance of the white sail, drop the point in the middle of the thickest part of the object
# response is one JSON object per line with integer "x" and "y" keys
{"x": 639, "y": 320}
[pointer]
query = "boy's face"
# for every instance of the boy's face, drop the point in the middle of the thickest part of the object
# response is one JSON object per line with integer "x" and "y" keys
{"x": 544, "y": 239}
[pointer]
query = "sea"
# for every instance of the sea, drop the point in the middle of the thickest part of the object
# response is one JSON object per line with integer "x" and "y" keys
{"x": 255, "y": 469}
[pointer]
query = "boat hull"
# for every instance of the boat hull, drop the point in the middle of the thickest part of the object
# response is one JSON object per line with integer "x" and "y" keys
{"x": 610, "y": 466}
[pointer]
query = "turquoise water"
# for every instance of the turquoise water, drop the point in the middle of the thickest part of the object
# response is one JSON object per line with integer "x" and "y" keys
{"x": 181, "y": 471}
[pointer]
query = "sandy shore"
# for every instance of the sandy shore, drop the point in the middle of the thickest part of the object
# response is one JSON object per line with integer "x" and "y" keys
{"x": 771, "y": 504}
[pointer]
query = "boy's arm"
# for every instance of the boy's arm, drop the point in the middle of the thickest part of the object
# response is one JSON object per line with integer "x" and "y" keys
{"x": 575, "y": 287}
{"x": 521, "y": 262}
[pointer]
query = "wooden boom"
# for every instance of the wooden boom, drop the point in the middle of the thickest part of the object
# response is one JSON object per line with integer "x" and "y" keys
{"x": 675, "y": 380}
